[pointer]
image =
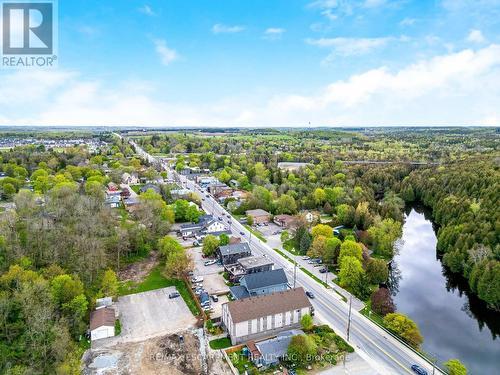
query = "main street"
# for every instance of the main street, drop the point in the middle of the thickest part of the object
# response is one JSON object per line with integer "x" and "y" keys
{"x": 384, "y": 352}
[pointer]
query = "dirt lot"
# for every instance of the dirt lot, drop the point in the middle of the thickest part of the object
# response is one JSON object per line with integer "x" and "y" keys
{"x": 137, "y": 271}
{"x": 165, "y": 355}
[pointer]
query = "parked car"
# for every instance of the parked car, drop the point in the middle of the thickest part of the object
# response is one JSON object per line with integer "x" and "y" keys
{"x": 203, "y": 199}
{"x": 310, "y": 294}
{"x": 323, "y": 270}
{"x": 173, "y": 295}
{"x": 197, "y": 279}
{"x": 418, "y": 370}
{"x": 210, "y": 262}
{"x": 220, "y": 219}
{"x": 198, "y": 291}
{"x": 214, "y": 298}
{"x": 305, "y": 257}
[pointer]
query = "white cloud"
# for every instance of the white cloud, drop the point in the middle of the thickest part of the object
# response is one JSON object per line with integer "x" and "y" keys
{"x": 147, "y": 10}
{"x": 476, "y": 36}
{"x": 350, "y": 46}
{"x": 407, "y": 21}
{"x": 225, "y": 29}
{"x": 273, "y": 33}
{"x": 167, "y": 55}
{"x": 461, "y": 88}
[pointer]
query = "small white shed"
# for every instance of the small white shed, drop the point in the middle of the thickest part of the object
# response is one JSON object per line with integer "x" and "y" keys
{"x": 102, "y": 323}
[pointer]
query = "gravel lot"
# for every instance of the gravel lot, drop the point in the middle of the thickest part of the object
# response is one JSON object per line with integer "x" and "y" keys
{"x": 150, "y": 314}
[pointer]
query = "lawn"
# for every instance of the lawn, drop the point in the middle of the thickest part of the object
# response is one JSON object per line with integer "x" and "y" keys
{"x": 241, "y": 362}
{"x": 289, "y": 246}
{"x": 255, "y": 233}
{"x": 221, "y": 343}
{"x": 155, "y": 280}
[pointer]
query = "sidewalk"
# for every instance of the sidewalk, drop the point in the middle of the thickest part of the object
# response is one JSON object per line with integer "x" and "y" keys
{"x": 354, "y": 365}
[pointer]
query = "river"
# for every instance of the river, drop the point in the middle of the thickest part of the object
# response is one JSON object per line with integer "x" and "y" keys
{"x": 454, "y": 323}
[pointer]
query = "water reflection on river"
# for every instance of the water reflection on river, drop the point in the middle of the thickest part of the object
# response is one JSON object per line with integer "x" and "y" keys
{"x": 454, "y": 323}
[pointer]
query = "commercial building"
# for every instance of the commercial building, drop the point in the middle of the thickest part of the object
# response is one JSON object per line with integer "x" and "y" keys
{"x": 264, "y": 316}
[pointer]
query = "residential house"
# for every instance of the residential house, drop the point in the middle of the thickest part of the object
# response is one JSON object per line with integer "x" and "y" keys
{"x": 260, "y": 283}
{"x": 264, "y": 316}
{"x": 112, "y": 201}
{"x": 102, "y": 323}
{"x": 259, "y": 216}
{"x": 153, "y": 187}
{"x": 219, "y": 189}
{"x": 285, "y": 221}
{"x": 180, "y": 193}
{"x": 229, "y": 254}
{"x": 206, "y": 225}
{"x": 130, "y": 179}
{"x": 269, "y": 352}
{"x": 131, "y": 203}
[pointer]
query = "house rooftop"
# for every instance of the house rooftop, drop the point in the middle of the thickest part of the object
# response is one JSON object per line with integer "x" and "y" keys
{"x": 102, "y": 317}
{"x": 236, "y": 248}
{"x": 270, "y": 304}
{"x": 274, "y": 349}
{"x": 263, "y": 279}
{"x": 239, "y": 292}
{"x": 251, "y": 262}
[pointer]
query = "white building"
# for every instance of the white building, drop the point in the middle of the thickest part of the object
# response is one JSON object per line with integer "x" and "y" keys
{"x": 102, "y": 323}
{"x": 263, "y": 316}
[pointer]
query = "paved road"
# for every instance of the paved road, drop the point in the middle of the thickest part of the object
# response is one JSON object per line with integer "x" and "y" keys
{"x": 384, "y": 353}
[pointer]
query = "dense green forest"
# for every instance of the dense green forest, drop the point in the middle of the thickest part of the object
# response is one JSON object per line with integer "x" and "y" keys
{"x": 60, "y": 246}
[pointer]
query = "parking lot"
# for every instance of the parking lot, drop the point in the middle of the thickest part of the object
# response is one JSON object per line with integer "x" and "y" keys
{"x": 213, "y": 281}
{"x": 269, "y": 229}
{"x": 150, "y": 314}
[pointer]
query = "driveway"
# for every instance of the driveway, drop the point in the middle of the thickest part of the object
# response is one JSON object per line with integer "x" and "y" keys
{"x": 150, "y": 314}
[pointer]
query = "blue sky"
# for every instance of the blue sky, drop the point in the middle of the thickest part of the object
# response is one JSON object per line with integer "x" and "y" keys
{"x": 265, "y": 63}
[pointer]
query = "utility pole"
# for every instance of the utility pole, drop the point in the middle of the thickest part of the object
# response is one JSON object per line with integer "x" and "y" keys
{"x": 349, "y": 317}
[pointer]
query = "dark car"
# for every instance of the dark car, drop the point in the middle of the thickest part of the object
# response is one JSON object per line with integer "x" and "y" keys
{"x": 242, "y": 233}
{"x": 323, "y": 270}
{"x": 173, "y": 295}
{"x": 418, "y": 370}
{"x": 310, "y": 294}
{"x": 214, "y": 298}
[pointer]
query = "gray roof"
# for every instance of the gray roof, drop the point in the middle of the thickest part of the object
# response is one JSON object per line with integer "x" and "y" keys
{"x": 191, "y": 226}
{"x": 235, "y": 249}
{"x": 150, "y": 186}
{"x": 273, "y": 349}
{"x": 239, "y": 292}
{"x": 251, "y": 262}
{"x": 264, "y": 279}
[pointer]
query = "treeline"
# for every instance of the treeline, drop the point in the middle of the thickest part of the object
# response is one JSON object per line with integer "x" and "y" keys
{"x": 58, "y": 243}
{"x": 464, "y": 198}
